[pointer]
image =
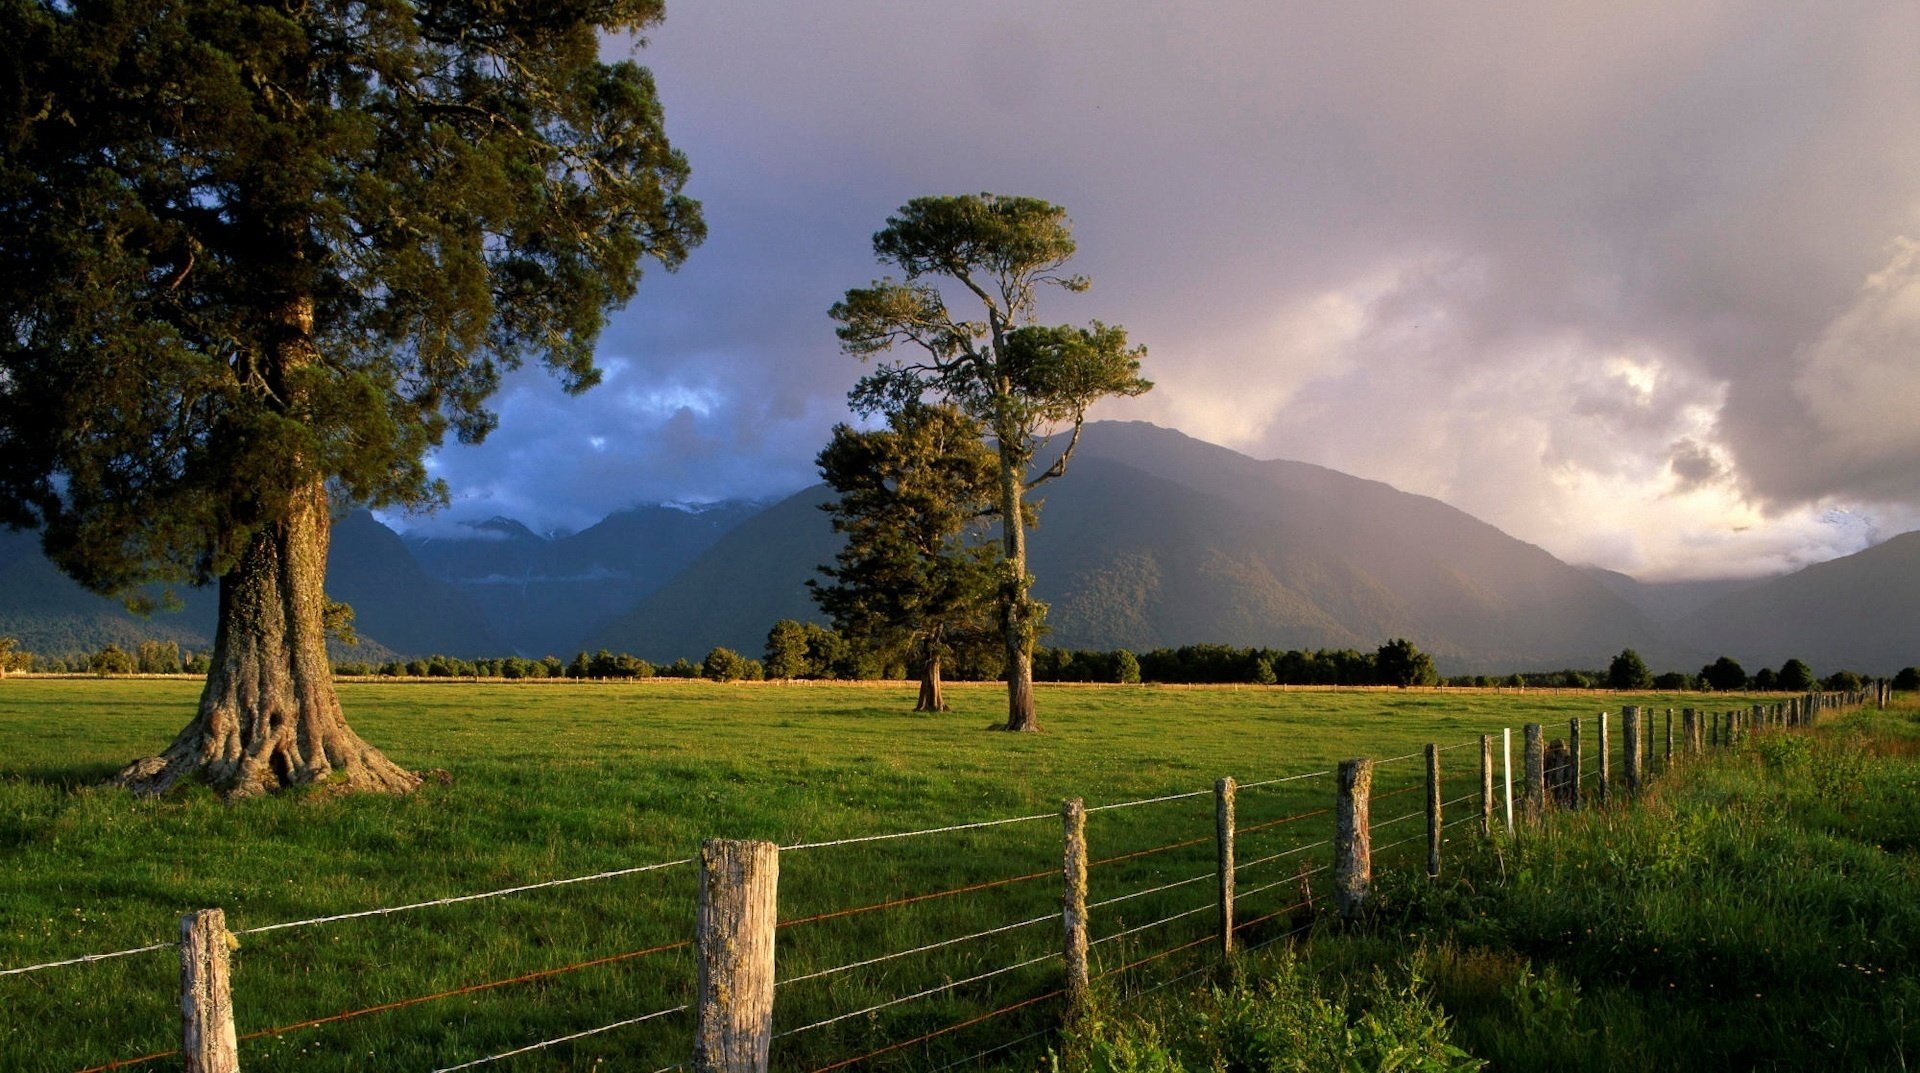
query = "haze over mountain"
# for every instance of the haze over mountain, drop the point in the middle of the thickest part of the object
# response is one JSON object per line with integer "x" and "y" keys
{"x": 1157, "y": 539}
{"x": 1152, "y": 539}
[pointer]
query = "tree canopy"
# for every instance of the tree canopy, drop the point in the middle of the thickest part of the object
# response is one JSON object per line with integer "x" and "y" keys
{"x": 1629, "y": 671}
{"x": 257, "y": 259}
{"x": 1022, "y": 380}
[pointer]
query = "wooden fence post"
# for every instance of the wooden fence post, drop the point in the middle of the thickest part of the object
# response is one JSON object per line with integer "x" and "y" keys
{"x": 1630, "y": 745}
{"x": 1073, "y": 907}
{"x": 1667, "y": 761}
{"x": 1534, "y": 797}
{"x": 1506, "y": 773}
{"x": 1575, "y": 758}
{"x": 1352, "y": 836}
{"x": 1486, "y": 784}
{"x": 1689, "y": 723}
{"x": 1433, "y": 810}
{"x": 1606, "y": 763}
{"x": 1223, "y": 795}
{"x": 207, "y": 1040}
{"x": 733, "y": 979}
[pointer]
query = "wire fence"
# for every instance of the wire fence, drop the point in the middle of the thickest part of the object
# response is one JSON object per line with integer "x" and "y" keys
{"x": 1135, "y": 894}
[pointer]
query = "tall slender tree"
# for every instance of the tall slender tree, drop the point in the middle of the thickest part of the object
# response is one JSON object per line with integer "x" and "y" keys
{"x": 257, "y": 257}
{"x": 1022, "y": 380}
{"x": 913, "y": 572}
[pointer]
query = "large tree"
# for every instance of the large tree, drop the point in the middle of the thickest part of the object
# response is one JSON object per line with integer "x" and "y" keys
{"x": 913, "y": 572}
{"x": 1022, "y": 380}
{"x": 257, "y": 258}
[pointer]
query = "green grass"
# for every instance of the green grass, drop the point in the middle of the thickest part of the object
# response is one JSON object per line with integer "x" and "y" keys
{"x": 1759, "y": 910}
{"x": 555, "y": 780}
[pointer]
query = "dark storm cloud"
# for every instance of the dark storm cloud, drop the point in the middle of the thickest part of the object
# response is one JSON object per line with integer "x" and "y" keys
{"x": 1510, "y": 254}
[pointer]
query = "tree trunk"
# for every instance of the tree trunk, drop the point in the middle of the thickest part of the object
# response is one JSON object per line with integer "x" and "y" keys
{"x": 269, "y": 718}
{"x": 931, "y": 699}
{"x": 1016, "y": 605}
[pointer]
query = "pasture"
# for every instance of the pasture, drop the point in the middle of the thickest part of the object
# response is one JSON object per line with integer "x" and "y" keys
{"x": 550, "y": 781}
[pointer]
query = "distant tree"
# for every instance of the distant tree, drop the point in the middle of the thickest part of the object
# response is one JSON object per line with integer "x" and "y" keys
{"x": 111, "y": 659}
{"x": 1907, "y": 680}
{"x": 723, "y": 665}
{"x": 1843, "y": 682}
{"x": 158, "y": 657}
{"x": 1629, "y": 671}
{"x": 915, "y": 572}
{"x": 1126, "y": 668}
{"x": 1020, "y": 379}
{"x": 1672, "y": 682}
{"x": 1765, "y": 680}
{"x": 1723, "y": 675}
{"x": 581, "y": 667}
{"x": 1795, "y": 677}
{"x": 1263, "y": 672}
{"x": 7, "y": 647}
{"x": 257, "y": 255}
{"x": 786, "y": 649}
{"x": 1399, "y": 663}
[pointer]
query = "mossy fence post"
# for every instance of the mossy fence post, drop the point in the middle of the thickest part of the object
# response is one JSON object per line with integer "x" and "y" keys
{"x": 1073, "y": 907}
{"x": 1533, "y": 799}
{"x": 1486, "y": 784}
{"x": 1689, "y": 730}
{"x": 1666, "y": 762}
{"x": 1223, "y": 795}
{"x": 1574, "y": 758}
{"x": 1433, "y": 810}
{"x": 733, "y": 944}
{"x": 1605, "y": 788}
{"x": 1352, "y": 837}
{"x": 207, "y": 1040}
{"x": 1630, "y": 745}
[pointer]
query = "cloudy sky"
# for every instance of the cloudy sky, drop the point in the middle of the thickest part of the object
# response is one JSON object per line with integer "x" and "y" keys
{"x": 1639, "y": 283}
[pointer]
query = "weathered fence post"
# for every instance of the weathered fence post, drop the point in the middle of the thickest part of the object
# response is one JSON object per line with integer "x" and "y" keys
{"x": 1352, "y": 837}
{"x": 1433, "y": 810}
{"x": 1667, "y": 761}
{"x": 1606, "y": 763}
{"x": 1486, "y": 784}
{"x": 1506, "y": 773}
{"x": 1575, "y": 758}
{"x": 1223, "y": 794}
{"x": 1689, "y": 727}
{"x": 1630, "y": 745}
{"x": 207, "y": 1040}
{"x": 1073, "y": 907}
{"x": 733, "y": 980}
{"x": 1534, "y": 800}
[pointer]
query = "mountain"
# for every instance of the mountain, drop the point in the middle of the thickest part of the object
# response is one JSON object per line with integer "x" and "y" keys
{"x": 544, "y": 596}
{"x": 1669, "y": 602}
{"x": 1860, "y": 612}
{"x": 398, "y": 609}
{"x": 1157, "y": 539}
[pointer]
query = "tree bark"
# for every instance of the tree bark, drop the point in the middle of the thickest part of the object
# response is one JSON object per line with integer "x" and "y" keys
{"x": 269, "y": 718}
{"x": 1016, "y": 604}
{"x": 931, "y": 699}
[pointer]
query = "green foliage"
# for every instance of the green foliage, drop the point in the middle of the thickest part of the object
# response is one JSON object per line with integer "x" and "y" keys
{"x": 1399, "y": 663}
{"x": 724, "y": 665}
{"x": 112, "y": 660}
{"x": 250, "y": 248}
{"x": 1843, "y": 682}
{"x": 1723, "y": 675}
{"x": 786, "y": 650}
{"x": 1283, "y": 1019}
{"x": 1126, "y": 668}
{"x": 915, "y": 573}
{"x": 1795, "y": 677}
{"x": 158, "y": 657}
{"x": 1765, "y": 680}
{"x": 1628, "y": 671}
{"x": 1907, "y": 680}
{"x": 1672, "y": 681}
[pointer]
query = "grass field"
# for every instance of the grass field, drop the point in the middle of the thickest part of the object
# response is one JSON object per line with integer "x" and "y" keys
{"x": 557, "y": 780}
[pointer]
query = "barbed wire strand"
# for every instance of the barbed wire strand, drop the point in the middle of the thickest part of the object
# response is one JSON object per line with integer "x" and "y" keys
{"x": 1402, "y": 790}
{"x": 970, "y": 1022}
{"x": 1154, "y": 924}
{"x": 1156, "y": 957}
{"x": 1251, "y": 891}
{"x": 540, "y": 974}
{"x": 1149, "y": 800}
{"x": 1238, "y": 868}
{"x": 456, "y": 899}
{"x": 1283, "y": 778}
{"x": 122, "y": 1063}
{"x": 88, "y": 958}
{"x": 1251, "y": 828}
{"x": 798, "y": 846}
{"x": 1302, "y": 904}
{"x": 1152, "y": 890}
{"x": 1402, "y": 756}
{"x": 1150, "y": 852}
{"x": 995, "y": 1049}
{"x": 917, "y": 950}
{"x": 544, "y": 1044}
{"x": 834, "y": 914}
{"x": 919, "y": 995}
{"x": 1397, "y": 819}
